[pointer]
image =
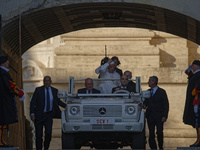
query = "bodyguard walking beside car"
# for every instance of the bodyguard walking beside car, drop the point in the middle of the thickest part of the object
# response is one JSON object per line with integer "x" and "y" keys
{"x": 44, "y": 107}
{"x": 157, "y": 108}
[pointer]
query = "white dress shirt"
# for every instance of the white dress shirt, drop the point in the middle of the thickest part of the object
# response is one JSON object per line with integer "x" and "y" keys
{"x": 106, "y": 86}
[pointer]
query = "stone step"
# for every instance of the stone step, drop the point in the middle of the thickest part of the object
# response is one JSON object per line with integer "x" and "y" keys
{"x": 183, "y": 148}
{"x": 9, "y": 148}
{"x": 169, "y": 143}
{"x": 55, "y": 144}
{"x": 173, "y": 137}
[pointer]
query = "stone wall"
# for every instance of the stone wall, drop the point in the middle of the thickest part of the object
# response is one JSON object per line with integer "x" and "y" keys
{"x": 144, "y": 52}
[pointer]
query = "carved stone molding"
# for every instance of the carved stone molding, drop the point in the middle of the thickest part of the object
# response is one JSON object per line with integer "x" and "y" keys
{"x": 31, "y": 71}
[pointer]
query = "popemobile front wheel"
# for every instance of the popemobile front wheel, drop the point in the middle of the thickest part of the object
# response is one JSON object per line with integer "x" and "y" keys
{"x": 139, "y": 140}
{"x": 67, "y": 141}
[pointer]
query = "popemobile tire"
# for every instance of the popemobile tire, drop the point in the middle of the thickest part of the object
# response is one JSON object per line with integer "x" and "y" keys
{"x": 67, "y": 141}
{"x": 139, "y": 139}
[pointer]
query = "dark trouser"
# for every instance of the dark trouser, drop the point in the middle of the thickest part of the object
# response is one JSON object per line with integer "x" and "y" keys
{"x": 152, "y": 123}
{"x": 46, "y": 121}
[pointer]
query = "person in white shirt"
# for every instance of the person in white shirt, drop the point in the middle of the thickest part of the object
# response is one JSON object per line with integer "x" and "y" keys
{"x": 107, "y": 71}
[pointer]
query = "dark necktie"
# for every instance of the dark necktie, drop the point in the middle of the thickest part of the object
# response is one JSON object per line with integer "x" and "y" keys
{"x": 48, "y": 101}
{"x": 89, "y": 92}
{"x": 151, "y": 92}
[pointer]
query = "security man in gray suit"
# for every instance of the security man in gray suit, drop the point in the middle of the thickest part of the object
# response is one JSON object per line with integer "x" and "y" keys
{"x": 157, "y": 112}
{"x": 44, "y": 107}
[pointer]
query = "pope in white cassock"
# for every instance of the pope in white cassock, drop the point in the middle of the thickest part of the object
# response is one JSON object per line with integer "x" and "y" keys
{"x": 107, "y": 71}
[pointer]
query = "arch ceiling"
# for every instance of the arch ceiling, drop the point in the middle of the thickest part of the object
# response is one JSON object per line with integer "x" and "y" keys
{"x": 41, "y": 25}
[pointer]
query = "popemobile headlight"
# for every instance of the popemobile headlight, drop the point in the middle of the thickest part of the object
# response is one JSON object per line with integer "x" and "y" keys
{"x": 130, "y": 110}
{"x": 74, "y": 110}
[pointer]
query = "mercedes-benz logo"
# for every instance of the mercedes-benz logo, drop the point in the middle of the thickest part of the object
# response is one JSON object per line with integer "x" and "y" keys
{"x": 102, "y": 110}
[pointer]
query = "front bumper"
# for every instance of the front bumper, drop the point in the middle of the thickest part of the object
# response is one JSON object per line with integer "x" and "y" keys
{"x": 72, "y": 127}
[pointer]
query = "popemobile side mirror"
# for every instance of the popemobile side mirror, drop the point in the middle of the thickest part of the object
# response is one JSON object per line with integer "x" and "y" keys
{"x": 146, "y": 94}
{"x": 62, "y": 95}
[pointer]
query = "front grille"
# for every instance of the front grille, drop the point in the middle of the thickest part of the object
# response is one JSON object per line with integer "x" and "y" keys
{"x": 102, "y": 126}
{"x": 94, "y": 111}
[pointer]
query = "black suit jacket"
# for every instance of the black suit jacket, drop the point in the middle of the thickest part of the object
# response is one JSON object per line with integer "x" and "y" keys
{"x": 83, "y": 91}
{"x": 8, "y": 110}
{"x": 158, "y": 104}
{"x": 189, "y": 115}
{"x": 38, "y": 103}
{"x": 131, "y": 86}
{"x": 119, "y": 71}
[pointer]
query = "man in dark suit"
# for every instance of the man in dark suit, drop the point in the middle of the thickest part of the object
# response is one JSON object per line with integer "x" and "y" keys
{"x": 124, "y": 84}
{"x": 157, "y": 112}
{"x": 131, "y": 85}
{"x": 44, "y": 107}
{"x": 88, "y": 87}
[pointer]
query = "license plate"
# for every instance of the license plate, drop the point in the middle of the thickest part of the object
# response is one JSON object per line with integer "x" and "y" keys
{"x": 102, "y": 121}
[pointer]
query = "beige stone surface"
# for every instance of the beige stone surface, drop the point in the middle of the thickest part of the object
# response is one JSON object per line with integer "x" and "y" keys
{"x": 99, "y": 50}
{"x": 111, "y": 33}
{"x": 91, "y": 62}
{"x": 55, "y": 144}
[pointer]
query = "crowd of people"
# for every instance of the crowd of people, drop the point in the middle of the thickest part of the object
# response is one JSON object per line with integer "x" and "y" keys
{"x": 44, "y": 103}
{"x": 157, "y": 106}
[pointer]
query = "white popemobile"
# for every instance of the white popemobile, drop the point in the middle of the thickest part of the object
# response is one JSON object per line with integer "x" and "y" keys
{"x": 103, "y": 120}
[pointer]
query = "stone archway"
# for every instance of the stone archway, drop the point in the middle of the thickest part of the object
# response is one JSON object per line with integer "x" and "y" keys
{"x": 46, "y": 20}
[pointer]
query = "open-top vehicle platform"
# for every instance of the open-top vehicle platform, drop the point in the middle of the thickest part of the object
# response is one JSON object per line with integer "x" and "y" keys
{"x": 103, "y": 120}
